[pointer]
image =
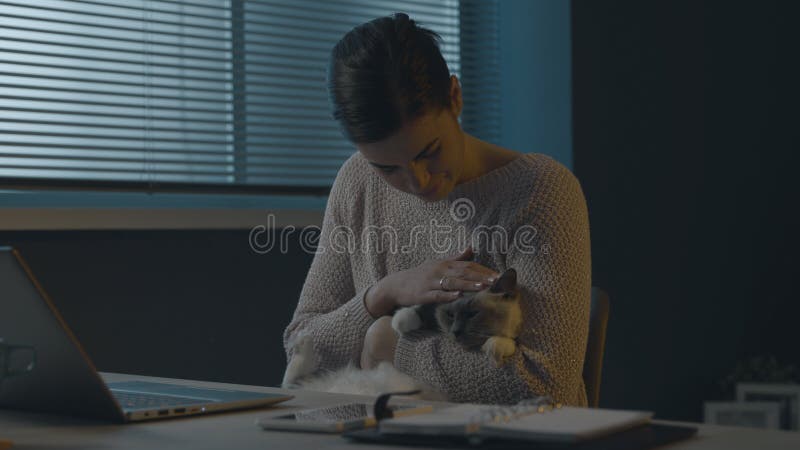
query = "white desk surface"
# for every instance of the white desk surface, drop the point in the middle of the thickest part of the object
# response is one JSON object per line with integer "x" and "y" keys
{"x": 237, "y": 430}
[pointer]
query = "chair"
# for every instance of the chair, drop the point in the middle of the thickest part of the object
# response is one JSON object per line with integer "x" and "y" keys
{"x": 595, "y": 345}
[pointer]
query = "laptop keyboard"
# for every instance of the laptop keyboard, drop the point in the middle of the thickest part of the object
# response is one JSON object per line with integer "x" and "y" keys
{"x": 138, "y": 400}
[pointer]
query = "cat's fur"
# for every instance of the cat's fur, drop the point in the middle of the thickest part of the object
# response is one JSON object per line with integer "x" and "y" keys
{"x": 488, "y": 320}
{"x": 300, "y": 373}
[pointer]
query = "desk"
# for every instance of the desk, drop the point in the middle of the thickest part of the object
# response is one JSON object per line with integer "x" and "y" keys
{"x": 237, "y": 430}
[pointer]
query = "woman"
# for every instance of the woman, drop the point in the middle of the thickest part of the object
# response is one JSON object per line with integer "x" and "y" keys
{"x": 416, "y": 180}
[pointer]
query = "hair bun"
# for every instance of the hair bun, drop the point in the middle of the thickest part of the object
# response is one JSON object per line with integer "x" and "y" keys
{"x": 403, "y": 25}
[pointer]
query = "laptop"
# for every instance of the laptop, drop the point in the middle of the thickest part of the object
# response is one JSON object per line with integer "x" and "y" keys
{"x": 44, "y": 368}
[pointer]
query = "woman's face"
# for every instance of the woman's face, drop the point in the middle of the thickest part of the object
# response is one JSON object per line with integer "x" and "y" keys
{"x": 424, "y": 158}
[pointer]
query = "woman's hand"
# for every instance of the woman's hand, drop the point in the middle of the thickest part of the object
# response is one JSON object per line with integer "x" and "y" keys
{"x": 422, "y": 284}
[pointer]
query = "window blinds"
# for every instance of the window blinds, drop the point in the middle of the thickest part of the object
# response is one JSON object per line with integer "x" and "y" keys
{"x": 213, "y": 94}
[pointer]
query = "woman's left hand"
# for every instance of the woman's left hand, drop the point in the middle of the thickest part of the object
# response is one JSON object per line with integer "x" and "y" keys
{"x": 379, "y": 343}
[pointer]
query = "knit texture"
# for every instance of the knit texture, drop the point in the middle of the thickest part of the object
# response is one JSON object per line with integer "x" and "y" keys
{"x": 371, "y": 230}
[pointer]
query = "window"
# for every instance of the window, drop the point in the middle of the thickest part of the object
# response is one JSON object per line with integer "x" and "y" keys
{"x": 218, "y": 95}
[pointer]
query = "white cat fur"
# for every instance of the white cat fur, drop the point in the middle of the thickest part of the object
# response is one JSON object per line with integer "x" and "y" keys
{"x": 349, "y": 380}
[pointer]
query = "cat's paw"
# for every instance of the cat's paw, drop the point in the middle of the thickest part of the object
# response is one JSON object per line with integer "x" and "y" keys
{"x": 304, "y": 360}
{"x": 406, "y": 320}
{"x": 499, "y": 348}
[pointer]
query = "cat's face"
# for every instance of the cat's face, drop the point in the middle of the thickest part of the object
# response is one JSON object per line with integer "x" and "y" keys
{"x": 476, "y": 316}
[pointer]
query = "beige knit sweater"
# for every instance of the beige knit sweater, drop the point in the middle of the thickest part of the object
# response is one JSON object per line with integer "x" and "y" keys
{"x": 541, "y": 208}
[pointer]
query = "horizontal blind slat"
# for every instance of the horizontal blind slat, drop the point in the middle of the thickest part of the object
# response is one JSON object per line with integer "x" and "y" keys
{"x": 60, "y": 148}
{"x": 172, "y": 164}
{"x": 28, "y": 29}
{"x": 187, "y": 57}
{"x": 179, "y": 12}
{"x": 69, "y": 11}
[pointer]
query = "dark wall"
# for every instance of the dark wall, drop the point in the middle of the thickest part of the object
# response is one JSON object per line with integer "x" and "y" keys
{"x": 182, "y": 304}
{"x": 685, "y": 141}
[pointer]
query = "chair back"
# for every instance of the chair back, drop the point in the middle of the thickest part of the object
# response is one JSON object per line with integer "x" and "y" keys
{"x": 595, "y": 345}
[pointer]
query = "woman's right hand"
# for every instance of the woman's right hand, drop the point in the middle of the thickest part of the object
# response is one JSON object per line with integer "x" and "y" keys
{"x": 422, "y": 284}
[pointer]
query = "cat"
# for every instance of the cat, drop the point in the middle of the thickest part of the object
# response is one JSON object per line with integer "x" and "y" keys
{"x": 487, "y": 320}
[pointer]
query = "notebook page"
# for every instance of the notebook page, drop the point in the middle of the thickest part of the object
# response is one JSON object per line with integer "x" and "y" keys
{"x": 567, "y": 424}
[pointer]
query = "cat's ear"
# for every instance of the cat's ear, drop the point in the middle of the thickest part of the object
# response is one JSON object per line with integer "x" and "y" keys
{"x": 507, "y": 282}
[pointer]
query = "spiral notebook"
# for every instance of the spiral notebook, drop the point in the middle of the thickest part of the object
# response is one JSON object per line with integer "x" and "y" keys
{"x": 533, "y": 420}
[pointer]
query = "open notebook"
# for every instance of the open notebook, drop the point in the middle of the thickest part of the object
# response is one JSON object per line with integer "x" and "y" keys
{"x": 531, "y": 420}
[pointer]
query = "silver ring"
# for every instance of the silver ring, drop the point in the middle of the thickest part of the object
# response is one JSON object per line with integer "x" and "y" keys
{"x": 441, "y": 283}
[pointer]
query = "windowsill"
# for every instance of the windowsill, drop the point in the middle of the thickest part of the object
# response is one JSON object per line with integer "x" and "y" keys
{"x": 45, "y": 210}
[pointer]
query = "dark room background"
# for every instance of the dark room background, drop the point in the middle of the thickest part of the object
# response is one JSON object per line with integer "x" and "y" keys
{"x": 684, "y": 138}
{"x": 685, "y": 142}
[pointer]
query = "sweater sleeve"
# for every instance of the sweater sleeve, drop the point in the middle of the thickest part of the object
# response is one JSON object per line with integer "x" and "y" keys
{"x": 554, "y": 278}
{"x": 329, "y": 308}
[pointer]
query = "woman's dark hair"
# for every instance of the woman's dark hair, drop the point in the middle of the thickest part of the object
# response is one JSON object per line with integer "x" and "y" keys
{"x": 383, "y": 74}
